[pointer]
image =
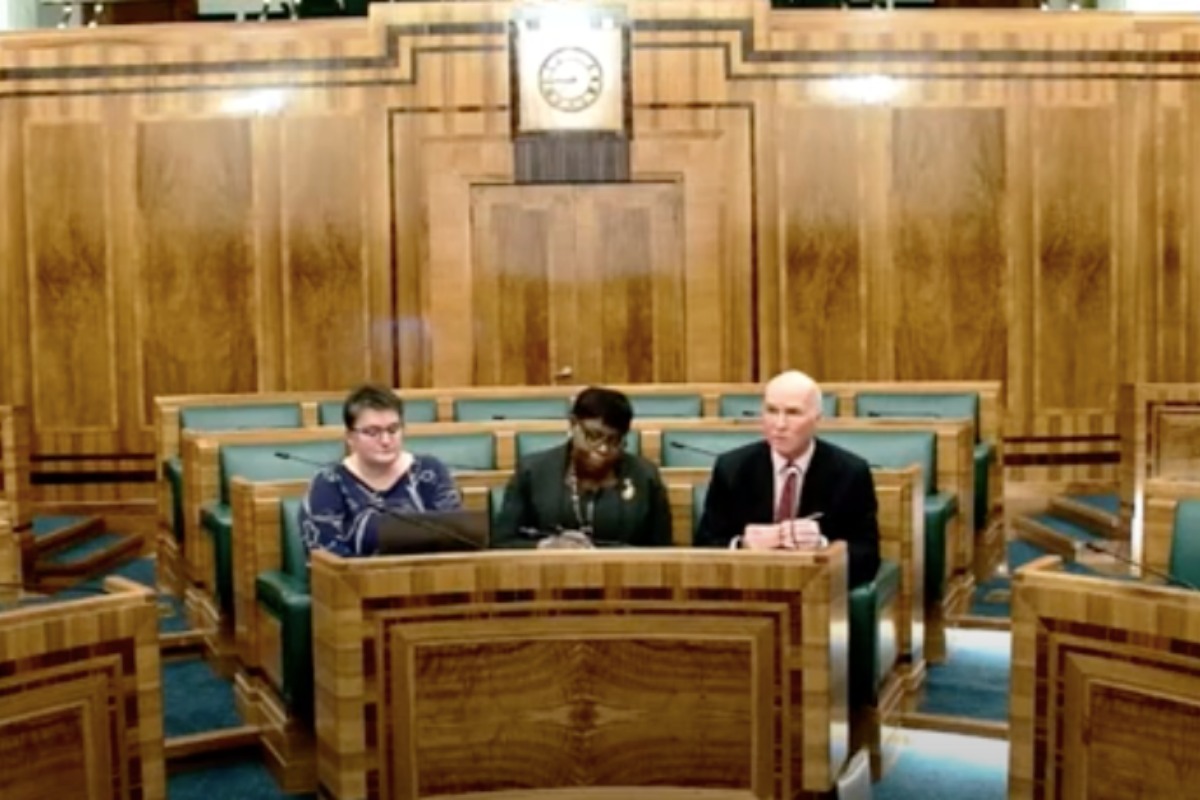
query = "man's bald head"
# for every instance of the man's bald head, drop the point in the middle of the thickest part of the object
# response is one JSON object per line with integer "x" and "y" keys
{"x": 791, "y": 408}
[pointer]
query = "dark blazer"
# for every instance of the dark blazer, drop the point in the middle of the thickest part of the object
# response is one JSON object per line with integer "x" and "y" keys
{"x": 838, "y": 484}
{"x": 634, "y": 512}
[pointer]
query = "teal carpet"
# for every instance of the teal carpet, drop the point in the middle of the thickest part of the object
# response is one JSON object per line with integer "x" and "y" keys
{"x": 973, "y": 682}
{"x": 45, "y": 525}
{"x": 1108, "y": 503}
{"x": 84, "y": 548}
{"x": 196, "y": 699}
{"x": 939, "y": 766}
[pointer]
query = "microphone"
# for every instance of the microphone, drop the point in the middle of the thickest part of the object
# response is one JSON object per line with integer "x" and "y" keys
{"x": 1172, "y": 580}
{"x": 286, "y": 456}
{"x": 704, "y": 451}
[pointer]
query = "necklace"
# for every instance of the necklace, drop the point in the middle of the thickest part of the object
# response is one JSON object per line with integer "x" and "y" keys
{"x": 585, "y": 513}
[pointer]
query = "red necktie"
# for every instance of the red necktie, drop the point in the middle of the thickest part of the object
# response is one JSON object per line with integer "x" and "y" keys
{"x": 787, "y": 498}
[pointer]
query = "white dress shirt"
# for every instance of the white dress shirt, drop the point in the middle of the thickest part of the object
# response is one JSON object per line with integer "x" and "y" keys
{"x": 780, "y": 467}
{"x": 781, "y": 470}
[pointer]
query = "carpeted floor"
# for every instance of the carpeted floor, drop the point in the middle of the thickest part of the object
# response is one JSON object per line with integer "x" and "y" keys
{"x": 974, "y": 680}
{"x": 940, "y": 766}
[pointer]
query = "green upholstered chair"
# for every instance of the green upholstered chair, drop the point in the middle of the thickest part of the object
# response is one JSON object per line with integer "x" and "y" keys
{"x": 255, "y": 462}
{"x": 482, "y": 409}
{"x": 222, "y": 418}
{"x": 684, "y": 448}
{"x": 665, "y": 406}
{"x": 415, "y": 411}
{"x": 938, "y": 405}
{"x": 284, "y": 594}
{"x": 749, "y": 406}
{"x": 458, "y": 451}
{"x": 530, "y": 442}
{"x": 874, "y": 647}
{"x": 898, "y": 449}
{"x": 1184, "y": 561}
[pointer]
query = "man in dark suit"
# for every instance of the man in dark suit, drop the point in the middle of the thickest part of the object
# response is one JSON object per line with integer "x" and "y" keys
{"x": 792, "y": 491}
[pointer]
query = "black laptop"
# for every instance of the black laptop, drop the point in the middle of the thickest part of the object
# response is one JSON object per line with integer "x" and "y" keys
{"x": 434, "y": 532}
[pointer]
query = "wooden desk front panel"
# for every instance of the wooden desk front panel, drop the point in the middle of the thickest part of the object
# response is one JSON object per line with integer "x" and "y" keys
{"x": 1105, "y": 688}
{"x": 81, "y": 698}
{"x": 534, "y": 671}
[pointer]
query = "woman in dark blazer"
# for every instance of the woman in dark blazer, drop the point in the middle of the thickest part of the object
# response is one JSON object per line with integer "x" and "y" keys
{"x": 588, "y": 491}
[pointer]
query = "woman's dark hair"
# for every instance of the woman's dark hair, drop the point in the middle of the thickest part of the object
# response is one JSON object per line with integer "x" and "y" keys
{"x": 607, "y": 405}
{"x": 370, "y": 396}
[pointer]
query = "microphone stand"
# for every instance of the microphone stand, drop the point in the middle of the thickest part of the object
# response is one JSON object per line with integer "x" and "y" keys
{"x": 1171, "y": 580}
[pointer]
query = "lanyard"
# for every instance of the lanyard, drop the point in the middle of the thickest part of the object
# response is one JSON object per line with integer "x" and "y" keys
{"x": 585, "y": 513}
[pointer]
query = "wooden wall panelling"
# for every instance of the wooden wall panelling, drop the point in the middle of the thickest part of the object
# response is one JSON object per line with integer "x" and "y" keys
{"x": 199, "y": 299}
{"x": 329, "y": 307}
{"x": 948, "y": 198}
{"x": 707, "y": 155}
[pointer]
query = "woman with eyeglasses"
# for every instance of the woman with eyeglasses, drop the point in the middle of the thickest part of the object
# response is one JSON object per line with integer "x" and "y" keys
{"x": 588, "y": 491}
{"x": 347, "y": 500}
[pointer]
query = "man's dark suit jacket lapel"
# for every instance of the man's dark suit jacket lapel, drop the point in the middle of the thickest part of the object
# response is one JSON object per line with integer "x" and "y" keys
{"x": 763, "y": 500}
{"x": 815, "y": 487}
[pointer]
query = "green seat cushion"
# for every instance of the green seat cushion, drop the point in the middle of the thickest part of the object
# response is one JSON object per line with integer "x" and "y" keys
{"x": 217, "y": 520}
{"x": 939, "y": 510}
{"x": 662, "y": 406}
{"x": 458, "y": 451}
{"x": 289, "y": 602}
{"x": 750, "y": 405}
{"x": 421, "y": 410}
{"x": 258, "y": 462}
{"x": 1185, "y": 542}
{"x": 936, "y": 405}
{"x": 293, "y": 553}
{"x": 685, "y": 448}
{"x": 892, "y": 450}
{"x": 531, "y": 442}
{"x": 481, "y": 409}
{"x": 699, "y": 495}
{"x": 873, "y": 645}
{"x": 983, "y": 454}
{"x": 495, "y": 503}
{"x": 173, "y": 472}
{"x": 238, "y": 417}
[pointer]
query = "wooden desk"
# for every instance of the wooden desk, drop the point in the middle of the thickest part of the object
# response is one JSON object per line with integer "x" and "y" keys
{"x": 81, "y": 698}
{"x": 642, "y": 673}
{"x": 1105, "y": 687}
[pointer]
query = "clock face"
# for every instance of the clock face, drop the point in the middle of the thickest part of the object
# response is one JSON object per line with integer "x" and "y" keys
{"x": 570, "y": 79}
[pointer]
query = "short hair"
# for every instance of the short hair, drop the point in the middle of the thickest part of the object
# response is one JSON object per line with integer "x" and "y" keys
{"x": 607, "y": 405}
{"x": 370, "y": 396}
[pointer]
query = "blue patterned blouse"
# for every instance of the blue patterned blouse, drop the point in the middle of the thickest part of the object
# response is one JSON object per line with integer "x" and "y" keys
{"x": 341, "y": 513}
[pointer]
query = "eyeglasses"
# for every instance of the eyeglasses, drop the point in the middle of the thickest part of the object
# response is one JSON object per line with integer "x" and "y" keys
{"x": 595, "y": 438}
{"x": 377, "y": 431}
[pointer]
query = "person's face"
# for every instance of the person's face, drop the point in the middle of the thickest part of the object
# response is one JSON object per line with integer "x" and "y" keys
{"x": 596, "y": 447}
{"x": 377, "y": 437}
{"x": 789, "y": 420}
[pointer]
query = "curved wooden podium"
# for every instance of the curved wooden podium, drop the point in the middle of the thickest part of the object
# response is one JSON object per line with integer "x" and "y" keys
{"x": 607, "y": 673}
{"x": 81, "y": 698}
{"x": 1105, "y": 696}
